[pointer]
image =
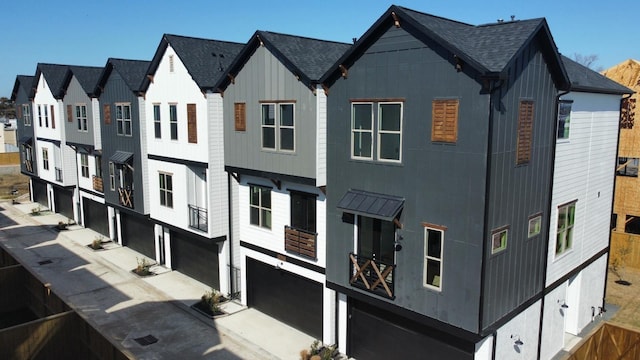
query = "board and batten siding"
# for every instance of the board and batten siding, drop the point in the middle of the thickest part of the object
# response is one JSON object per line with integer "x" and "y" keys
{"x": 584, "y": 171}
{"x": 441, "y": 183}
{"x": 265, "y": 78}
{"x": 76, "y": 95}
{"x": 44, "y": 97}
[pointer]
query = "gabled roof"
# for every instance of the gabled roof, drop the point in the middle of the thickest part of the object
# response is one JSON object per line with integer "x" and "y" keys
{"x": 206, "y": 60}
{"x": 586, "y": 80}
{"x": 87, "y": 76}
{"x": 132, "y": 72}
{"x": 55, "y": 74}
{"x": 306, "y": 58}
{"x": 489, "y": 49}
{"x": 24, "y": 82}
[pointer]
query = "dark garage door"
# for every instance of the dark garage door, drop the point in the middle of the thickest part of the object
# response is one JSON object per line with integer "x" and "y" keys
{"x": 40, "y": 192}
{"x": 389, "y": 336}
{"x": 63, "y": 199}
{"x": 138, "y": 234}
{"x": 95, "y": 216}
{"x": 285, "y": 296}
{"x": 195, "y": 258}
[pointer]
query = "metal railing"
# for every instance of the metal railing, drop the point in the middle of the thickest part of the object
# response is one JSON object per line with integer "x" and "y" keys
{"x": 198, "y": 218}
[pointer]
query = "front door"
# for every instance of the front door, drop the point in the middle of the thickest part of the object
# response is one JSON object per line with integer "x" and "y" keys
{"x": 376, "y": 239}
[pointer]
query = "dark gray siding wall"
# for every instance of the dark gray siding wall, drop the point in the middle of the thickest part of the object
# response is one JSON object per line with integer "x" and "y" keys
{"x": 519, "y": 191}
{"x": 264, "y": 77}
{"x": 442, "y": 184}
{"x": 116, "y": 91}
{"x": 77, "y": 96}
{"x": 22, "y": 98}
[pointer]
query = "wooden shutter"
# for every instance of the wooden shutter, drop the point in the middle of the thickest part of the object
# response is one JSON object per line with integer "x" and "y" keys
{"x": 70, "y": 113}
{"x": 107, "y": 113}
{"x": 53, "y": 118}
{"x": 240, "y": 116}
{"x": 525, "y": 132}
{"x": 192, "y": 124}
{"x": 444, "y": 120}
{"x": 20, "y": 112}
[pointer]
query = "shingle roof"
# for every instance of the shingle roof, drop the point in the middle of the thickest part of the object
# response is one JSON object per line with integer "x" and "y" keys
{"x": 24, "y": 82}
{"x": 132, "y": 71}
{"x": 206, "y": 60}
{"x": 87, "y": 76}
{"x": 584, "y": 79}
{"x": 55, "y": 75}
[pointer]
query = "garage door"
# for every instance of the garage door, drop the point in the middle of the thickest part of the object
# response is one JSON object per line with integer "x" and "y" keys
{"x": 63, "y": 199}
{"x": 196, "y": 258}
{"x": 137, "y": 233}
{"x": 389, "y": 336}
{"x": 40, "y": 192}
{"x": 95, "y": 216}
{"x": 288, "y": 297}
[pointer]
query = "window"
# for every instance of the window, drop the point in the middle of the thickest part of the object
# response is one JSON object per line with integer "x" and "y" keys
{"x": 112, "y": 175}
{"x": 278, "y": 135}
{"x": 156, "y": 121}
{"x": 171, "y": 64}
{"x": 632, "y": 224}
{"x": 444, "y": 120}
{"x": 566, "y": 220}
{"x": 40, "y": 115}
{"x": 26, "y": 115}
{"x": 192, "y": 124}
{"x": 98, "y": 160}
{"x": 53, "y": 118}
{"x": 499, "y": 240}
{"x": 46, "y": 116}
{"x": 564, "y": 118}
{"x": 260, "y": 206}
{"x": 376, "y": 239}
{"x": 627, "y": 167}
{"x": 433, "y": 241}
{"x": 535, "y": 223}
{"x": 84, "y": 165}
{"x": 45, "y": 159}
{"x": 173, "y": 121}
{"x": 388, "y": 120}
{"x": 525, "y": 132}
{"x": 240, "y": 112}
{"x": 166, "y": 190}
{"x": 303, "y": 211}
{"x": 123, "y": 119}
{"x": 81, "y": 116}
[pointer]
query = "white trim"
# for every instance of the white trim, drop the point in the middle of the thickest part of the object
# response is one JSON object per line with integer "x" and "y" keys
{"x": 380, "y": 132}
{"x": 353, "y": 132}
{"x": 440, "y": 260}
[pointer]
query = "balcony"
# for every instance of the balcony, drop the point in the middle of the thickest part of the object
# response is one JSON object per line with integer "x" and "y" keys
{"x": 198, "y": 218}
{"x": 372, "y": 275}
{"x": 126, "y": 196}
{"x": 300, "y": 242}
{"x": 97, "y": 184}
{"x": 58, "y": 174}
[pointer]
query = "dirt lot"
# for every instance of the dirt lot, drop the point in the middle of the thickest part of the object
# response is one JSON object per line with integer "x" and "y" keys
{"x": 626, "y": 297}
{"x": 10, "y": 182}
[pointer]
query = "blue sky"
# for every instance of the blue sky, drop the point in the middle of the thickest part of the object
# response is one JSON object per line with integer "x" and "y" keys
{"x": 89, "y": 32}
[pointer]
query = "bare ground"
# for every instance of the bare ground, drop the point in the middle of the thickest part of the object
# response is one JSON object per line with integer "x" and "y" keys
{"x": 11, "y": 182}
{"x": 626, "y": 297}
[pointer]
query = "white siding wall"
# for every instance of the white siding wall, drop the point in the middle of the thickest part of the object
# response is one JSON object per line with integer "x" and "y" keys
{"x": 321, "y": 141}
{"x": 273, "y": 239}
{"x": 589, "y": 292}
{"x": 525, "y": 327}
{"x": 48, "y": 175}
{"x": 86, "y": 183}
{"x": 44, "y": 97}
{"x": 584, "y": 171}
{"x": 143, "y": 155}
{"x": 553, "y": 323}
{"x": 97, "y": 136}
{"x": 217, "y": 177}
{"x": 68, "y": 165}
{"x": 484, "y": 349}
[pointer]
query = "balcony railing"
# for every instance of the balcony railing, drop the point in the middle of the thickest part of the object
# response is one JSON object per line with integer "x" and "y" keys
{"x": 97, "y": 184}
{"x": 198, "y": 218}
{"x": 28, "y": 164}
{"x": 300, "y": 242}
{"x": 126, "y": 196}
{"x": 372, "y": 275}
{"x": 58, "y": 174}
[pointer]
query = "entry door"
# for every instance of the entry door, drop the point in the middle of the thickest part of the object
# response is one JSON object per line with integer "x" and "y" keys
{"x": 376, "y": 239}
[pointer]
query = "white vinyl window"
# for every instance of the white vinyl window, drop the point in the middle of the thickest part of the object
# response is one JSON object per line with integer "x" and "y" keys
{"x": 499, "y": 240}
{"x": 566, "y": 221}
{"x": 433, "y": 244}
{"x": 84, "y": 165}
{"x": 280, "y": 134}
{"x": 386, "y": 122}
{"x": 26, "y": 115}
{"x": 81, "y": 116}
{"x": 260, "y": 206}
{"x": 166, "y": 190}
{"x": 123, "y": 119}
{"x": 112, "y": 175}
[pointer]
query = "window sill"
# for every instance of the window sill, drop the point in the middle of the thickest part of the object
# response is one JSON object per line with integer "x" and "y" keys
{"x": 376, "y": 162}
{"x": 557, "y": 257}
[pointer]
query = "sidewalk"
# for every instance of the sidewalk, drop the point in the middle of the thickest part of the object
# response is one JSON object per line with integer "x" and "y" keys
{"x": 99, "y": 285}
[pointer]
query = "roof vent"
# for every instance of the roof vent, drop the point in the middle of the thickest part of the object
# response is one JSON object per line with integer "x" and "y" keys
{"x": 513, "y": 18}
{"x": 500, "y": 21}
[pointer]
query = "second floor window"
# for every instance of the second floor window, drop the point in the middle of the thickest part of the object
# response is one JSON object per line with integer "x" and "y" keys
{"x": 564, "y": 118}
{"x": 260, "y": 206}
{"x": 566, "y": 221}
{"x": 627, "y": 167}
{"x": 278, "y": 126}
{"x": 166, "y": 190}
{"x": 173, "y": 121}
{"x": 45, "y": 159}
{"x": 123, "y": 119}
{"x": 376, "y": 132}
{"x": 81, "y": 116}
{"x": 98, "y": 160}
{"x": 26, "y": 115}
{"x": 112, "y": 175}
{"x": 157, "y": 129}
{"x": 84, "y": 165}
{"x": 433, "y": 238}
{"x": 303, "y": 211}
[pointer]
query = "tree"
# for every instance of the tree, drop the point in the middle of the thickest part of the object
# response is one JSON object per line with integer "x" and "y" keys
{"x": 588, "y": 61}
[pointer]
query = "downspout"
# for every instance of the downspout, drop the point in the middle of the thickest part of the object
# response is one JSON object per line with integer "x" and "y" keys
{"x": 606, "y": 273}
{"x": 230, "y": 237}
{"x": 548, "y": 220}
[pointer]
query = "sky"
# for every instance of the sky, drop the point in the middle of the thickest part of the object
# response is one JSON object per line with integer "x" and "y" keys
{"x": 91, "y": 31}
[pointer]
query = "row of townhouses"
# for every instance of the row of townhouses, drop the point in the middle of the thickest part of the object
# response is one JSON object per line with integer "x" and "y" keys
{"x": 435, "y": 187}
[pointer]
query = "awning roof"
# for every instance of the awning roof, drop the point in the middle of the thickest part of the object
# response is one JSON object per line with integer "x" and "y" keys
{"x": 379, "y": 206}
{"x": 26, "y": 140}
{"x": 121, "y": 157}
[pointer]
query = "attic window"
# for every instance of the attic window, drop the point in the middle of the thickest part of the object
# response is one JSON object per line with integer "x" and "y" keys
{"x": 171, "y": 65}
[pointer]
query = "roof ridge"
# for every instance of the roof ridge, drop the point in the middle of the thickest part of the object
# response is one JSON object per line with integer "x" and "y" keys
{"x": 203, "y": 39}
{"x": 538, "y": 19}
{"x": 433, "y": 16}
{"x": 304, "y": 37}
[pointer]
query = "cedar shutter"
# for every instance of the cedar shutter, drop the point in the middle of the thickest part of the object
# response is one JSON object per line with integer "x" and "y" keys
{"x": 444, "y": 120}
{"x": 240, "y": 116}
{"x": 525, "y": 132}
{"x": 53, "y": 118}
{"x": 107, "y": 114}
{"x": 69, "y": 113}
{"x": 20, "y": 112}
{"x": 192, "y": 124}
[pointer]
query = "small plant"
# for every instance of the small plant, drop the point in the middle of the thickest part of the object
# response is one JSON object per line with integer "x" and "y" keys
{"x": 96, "y": 244}
{"x": 62, "y": 225}
{"x": 318, "y": 351}
{"x": 143, "y": 267}
{"x": 212, "y": 300}
{"x": 618, "y": 262}
{"x": 36, "y": 210}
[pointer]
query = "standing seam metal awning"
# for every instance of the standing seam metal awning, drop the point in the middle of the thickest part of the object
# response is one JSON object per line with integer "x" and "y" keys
{"x": 379, "y": 206}
{"x": 121, "y": 157}
{"x": 26, "y": 140}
